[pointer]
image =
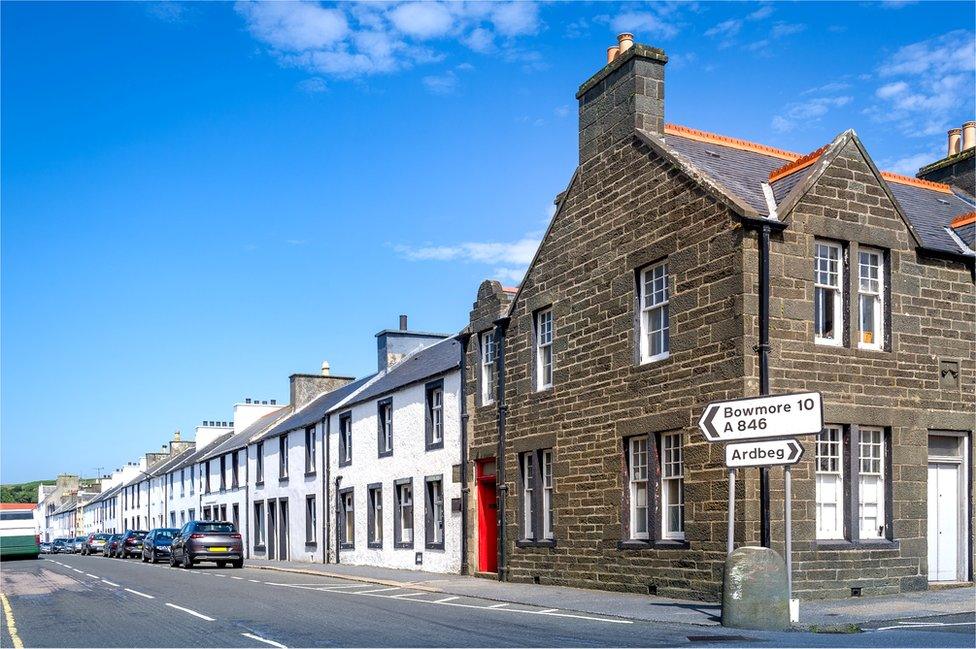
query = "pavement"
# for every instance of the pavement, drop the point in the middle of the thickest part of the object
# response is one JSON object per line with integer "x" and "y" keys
{"x": 75, "y": 601}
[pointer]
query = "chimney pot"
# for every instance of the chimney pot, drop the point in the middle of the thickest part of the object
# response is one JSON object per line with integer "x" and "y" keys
{"x": 176, "y": 436}
{"x": 968, "y": 135}
{"x": 403, "y": 323}
{"x": 247, "y": 401}
{"x": 625, "y": 41}
{"x": 955, "y": 136}
{"x": 325, "y": 368}
{"x": 612, "y": 53}
{"x": 274, "y": 402}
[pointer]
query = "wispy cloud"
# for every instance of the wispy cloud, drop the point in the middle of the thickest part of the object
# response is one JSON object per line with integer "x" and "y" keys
{"x": 441, "y": 84}
{"x": 809, "y": 110}
{"x": 168, "y": 11}
{"x": 313, "y": 85}
{"x": 359, "y": 39}
{"x": 645, "y": 22}
{"x": 508, "y": 259}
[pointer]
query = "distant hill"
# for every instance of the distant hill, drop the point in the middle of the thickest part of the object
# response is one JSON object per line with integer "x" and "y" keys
{"x": 24, "y": 492}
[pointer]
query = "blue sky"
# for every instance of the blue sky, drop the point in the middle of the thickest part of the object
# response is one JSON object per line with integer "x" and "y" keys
{"x": 201, "y": 199}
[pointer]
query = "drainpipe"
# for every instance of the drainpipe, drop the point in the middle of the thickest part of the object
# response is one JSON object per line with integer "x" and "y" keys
{"x": 501, "y": 326}
{"x": 763, "y": 351}
{"x": 247, "y": 501}
{"x": 463, "y": 339}
{"x": 325, "y": 488}
{"x": 338, "y": 479}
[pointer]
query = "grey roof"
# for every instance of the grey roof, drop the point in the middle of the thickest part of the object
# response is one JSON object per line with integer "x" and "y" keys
{"x": 66, "y": 506}
{"x": 241, "y": 439}
{"x": 428, "y": 362}
{"x": 105, "y": 494}
{"x": 315, "y": 410}
{"x": 743, "y": 171}
{"x": 172, "y": 461}
{"x": 968, "y": 234}
{"x": 200, "y": 453}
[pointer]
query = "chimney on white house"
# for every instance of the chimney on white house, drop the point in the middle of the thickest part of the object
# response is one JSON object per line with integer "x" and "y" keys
{"x": 968, "y": 135}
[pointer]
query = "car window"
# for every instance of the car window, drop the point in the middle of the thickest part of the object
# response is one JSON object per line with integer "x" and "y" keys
{"x": 101, "y": 537}
{"x": 139, "y": 535}
{"x": 165, "y": 534}
{"x": 215, "y": 527}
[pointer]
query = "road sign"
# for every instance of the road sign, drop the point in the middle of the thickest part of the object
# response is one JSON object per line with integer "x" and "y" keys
{"x": 781, "y": 415}
{"x": 768, "y": 452}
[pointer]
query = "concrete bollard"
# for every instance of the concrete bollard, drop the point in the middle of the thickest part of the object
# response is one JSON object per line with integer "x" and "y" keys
{"x": 755, "y": 594}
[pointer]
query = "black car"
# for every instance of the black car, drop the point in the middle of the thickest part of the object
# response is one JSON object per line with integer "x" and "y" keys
{"x": 157, "y": 543}
{"x": 130, "y": 544}
{"x": 207, "y": 541}
{"x": 111, "y": 544}
{"x": 60, "y": 546}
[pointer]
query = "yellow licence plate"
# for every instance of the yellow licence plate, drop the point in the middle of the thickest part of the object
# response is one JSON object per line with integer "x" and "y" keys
{"x": 218, "y": 549}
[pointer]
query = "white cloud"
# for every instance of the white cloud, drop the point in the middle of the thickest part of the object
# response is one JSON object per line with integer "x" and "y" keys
{"x": 725, "y": 29}
{"x": 809, "y": 110}
{"x": 480, "y": 40}
{"x": 889, "y": 90}
{"x": 512, "y": 253}
{"x": 563, "y": 111}
{"x": 511, "y": 275}
{"x": 644, "y": 22}
{"x": 294, "y": 26}
{"x": 909, "y": 165}
{"x": 313, "y": 85}
{"x": 762, "y": 12}
{"x": 422, "y": 19}
{"x": 515, "y": 18}
{"x": 441, "y": 84}
{"x": 781, "y": 30}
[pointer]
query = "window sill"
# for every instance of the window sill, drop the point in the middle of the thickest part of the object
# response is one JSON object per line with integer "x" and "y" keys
{"x": 347, "y": 546}
{"x": 310, "y": 474}
{"x": 311, "y": 544}
{"x": 532, "y": 543}
{"x": 655, "y": 359}
{"x": 436, "y": 446}
{"x": 385, "y": 454}
{"x": 259, "y": 483}
{"x": 434, "y": 546}
{"x": 822, "y": 342}
{"x": 864, "y": 544}
{"x": 403, "y": 546}
{"x": 659, "y": 544}
{"x": 283, "y": 480}
{"x": 375, "y": 546}
{"x": 343, "y": 463}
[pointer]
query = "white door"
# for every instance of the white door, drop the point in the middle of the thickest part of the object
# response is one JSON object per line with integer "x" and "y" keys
{"x": 943, "y": 521}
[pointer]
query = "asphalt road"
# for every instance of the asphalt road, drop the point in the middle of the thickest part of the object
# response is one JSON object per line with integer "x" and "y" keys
{"x": 75, "y": 601}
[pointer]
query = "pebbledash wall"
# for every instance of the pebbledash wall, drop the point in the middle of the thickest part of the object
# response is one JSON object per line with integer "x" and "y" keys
{"x": 628, "y": 206}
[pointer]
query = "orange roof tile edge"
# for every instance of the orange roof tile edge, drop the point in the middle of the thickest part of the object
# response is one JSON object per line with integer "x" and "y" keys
{"x": 796, "y": 165}
{"x": 917, "y": 182}
{"x": 510, "y": 289}
{"x": 18, "y": 505}
{"x": 963, "y": 219}
{"x": 724, "y": 140}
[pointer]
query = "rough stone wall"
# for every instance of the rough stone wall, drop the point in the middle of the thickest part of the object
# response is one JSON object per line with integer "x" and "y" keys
{"x": 961, "y": 172}
{"x": 626, "y": 209}
{"x": 306, "y": 387}
{"x": 931, "y": 305}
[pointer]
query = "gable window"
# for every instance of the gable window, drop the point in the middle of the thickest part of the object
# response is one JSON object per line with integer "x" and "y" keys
{"x": 672, "y": 487}
{"x": 384, "y": 428}
{"x": 871, "y": 485}
{"x": 345, "y": 439}
{"x": 235, "y": 470}
{"x": 283, "y": 457}
{"x": 310, "y": 520}
{"x": 434, "y": 513}
{"x": 375, "y": 520}
{"x": 638, "y": 488}
{"x": 223, "y": 472}
{"x": 310, "y": 450}
{"x": 655, "y": 316}
{"x": 403, "y": 527}
{"x": 347, "y": 511}
{"x": 435, "y": 414}
{"x": 259, "y": 463}
{"x": 537, "y": 490}
{"x": 870, "y": 298}
{"x": 543, "y": 349}
{"x": 489, "y": 369}
{"x": 830, "y": 484}
{"x": 828, "y": 299}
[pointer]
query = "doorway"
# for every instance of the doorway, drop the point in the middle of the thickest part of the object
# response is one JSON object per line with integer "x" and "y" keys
{"x": 487, "y": 516}
{"x": 283, "y": 545}
{"x": 272, "y": 528}
{"x": 948, "y": 508}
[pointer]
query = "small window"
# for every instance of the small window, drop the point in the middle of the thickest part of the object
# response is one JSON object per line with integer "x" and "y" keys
{"x": 182, "y": 484}
{"x": 384, "y": 429}
{"x": 655, "y": 317}
{"x": 259, "y": 463}
{"x": 345, "y": 439}
{"x": 258, "y": 524}
{"x": 543, "y": 349}
{"x": 193, "y": 478}
{"x": 828, "y": 300}
{"x": 375, "y": 531}
{"x": 870, "y": 298}
{"x": 489, "y": 368}
{"x": 283, "y": 457}
{"x": 871, "y": 486}
{"x": 672, "y": 487}
{"x": 434, "y": 515}
{"x": 310, "y": 519}
{"x": 403, "y": 532}
{"x": 310, "y": 450}
{"x": 528, "y": 487}
{"x": 638, "y": 488}
{"x": 235, "y": 469}
{"x": 206, "y": 480}
{"x": 223, "y": 472}
{"x": 435, "y": 415}
{"x": 348, "y": 513}
{"x": 830, "y": 484}
{"x": 548, "y": 510}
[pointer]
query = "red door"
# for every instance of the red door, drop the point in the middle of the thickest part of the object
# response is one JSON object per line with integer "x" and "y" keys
{"x": 487, "y": 517}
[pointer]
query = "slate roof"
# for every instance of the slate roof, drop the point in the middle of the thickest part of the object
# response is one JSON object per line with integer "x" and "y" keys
{"x": 742, "y": 167}
{"x": 241, "y": 439}
{"x": 968, "y": 234}
{"x": 199, "y": 453}
{"x": 316, "y": 409}
{"x": 108, "y": 493}
{"x": 428, "y": 362}
{"x": 164, "y": 466}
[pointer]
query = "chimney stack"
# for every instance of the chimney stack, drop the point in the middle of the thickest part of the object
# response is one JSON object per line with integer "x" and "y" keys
{"x": 403, "y": 323}
{"x": 325, "y": 368}
{"x": 955, "y": 137}
{"x": 625, "y": 95}
{"x": 176, "y": 436}
{"x": 968, "y": 135}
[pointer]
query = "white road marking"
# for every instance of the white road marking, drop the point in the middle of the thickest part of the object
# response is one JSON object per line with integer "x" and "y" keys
{"x": 377, "y": 590}
{"x": 922, "y": 625}
{"x": 547, "y": 610}
{"x": 238, "y": 578}
{"x": 264, "y": 640}
{"x": 191, "y": 612}
{"x": 92, "y": 576}
{"x": 217, "y": 574}
{"x": 110, "y": 583}
{"x": 80, "y": 572}
{"x": 502, "y": 605}
{"x": 405, "y": 595}
{"x": 255, "y": 581}
{"x": 446, "y": 599}
{"x": 136, "y": 592}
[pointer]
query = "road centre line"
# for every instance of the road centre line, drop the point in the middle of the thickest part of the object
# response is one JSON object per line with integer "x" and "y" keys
{"x": 80, "y": 572}
{"x": 264, "y": 640}
{"x": 8, "y": 613}
{"x": 238, "y": 578}
{"x": 547, "y": 610}
{"x": 254, "y": 580}
{"x": 191, "y": 612}
{"x": 136, "y": 592}
{"x": 110, "y": 583}
{"x": 502, "y": 605}
{"x": 92, "y": 576}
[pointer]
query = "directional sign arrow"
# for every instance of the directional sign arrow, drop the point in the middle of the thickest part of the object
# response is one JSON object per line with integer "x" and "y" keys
{"x": 768, "y": 452}
{"x": 781, "y": 415}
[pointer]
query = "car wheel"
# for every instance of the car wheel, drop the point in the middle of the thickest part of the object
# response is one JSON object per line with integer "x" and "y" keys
{"x": 153, "y": 558}
{"x": 172, "y": 560}
{"x": 238, "y": 564}
{"x": 187, "y": 561}
{"x": 221, "y": 564}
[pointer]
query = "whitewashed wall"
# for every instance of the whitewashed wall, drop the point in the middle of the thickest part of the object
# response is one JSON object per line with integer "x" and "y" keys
{"x": 410, "y": 459}
{"x": 222, "y": 501}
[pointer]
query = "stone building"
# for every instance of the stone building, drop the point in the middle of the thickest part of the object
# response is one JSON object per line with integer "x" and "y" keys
{"x": 583, "y": 389}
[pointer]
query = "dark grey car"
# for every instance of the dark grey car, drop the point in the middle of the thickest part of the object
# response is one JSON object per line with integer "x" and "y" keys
{"x": 157, "y": 543}
{"x": 215, "y": 541}
{"x": 130, "y": 544}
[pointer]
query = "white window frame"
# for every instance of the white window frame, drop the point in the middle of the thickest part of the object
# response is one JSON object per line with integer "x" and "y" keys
{"x": 386, "y": 412}
{"x": 548, "y": 488}
{"x": 872, "y": 289}
{"x": 488, "y": 367}
{"x": 283, "y": 456}
{"x": 310, "y": 450}
{"x": 528, "y": 476}
{"x": 655, "y": 296}
{"x": 437, "y": 509}
{"x": 871, "y": 472}
{"x": 311, "y": 519}
{"x": 376, "y": 496}
{"x": 544, "y": 357}
{"x": 349, "y": 518}
{"x": 638, "y": 470}
{"x": 437, "y": 415}
{"x": 837, "y": 290}
{"x": 346, "y": 424}
{"x": 405, "y": 499}
{"x": 672, "y": 472}
{"x": 829, "y": 476}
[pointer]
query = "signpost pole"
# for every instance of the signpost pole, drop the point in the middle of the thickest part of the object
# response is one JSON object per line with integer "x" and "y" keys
{"x": 788, "y": 518}
{"x": 729, "y": 546}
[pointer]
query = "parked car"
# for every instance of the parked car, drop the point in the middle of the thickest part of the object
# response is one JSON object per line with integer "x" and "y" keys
{"x": 130, "y": 544}
{"x": 59, "y": 546}
{"x": 93, "y": 544}
{"x": 77, "y": 543}
{"x": 45, "y": 547}
{"x": 111, "y": 543}
{"x": 156, "y": 545}
{"x": 215, "y": 541}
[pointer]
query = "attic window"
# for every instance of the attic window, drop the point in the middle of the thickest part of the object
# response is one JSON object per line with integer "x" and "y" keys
{"x": 943, "y": 201}
{"x": 712, "y": 153}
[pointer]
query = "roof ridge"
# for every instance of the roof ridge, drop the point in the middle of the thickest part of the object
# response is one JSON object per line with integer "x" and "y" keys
{"x": 800, "y": 163}
{"x": 917, "y": 182}
{"x": 963, "y": 219}
{"x": 725, "y": 140}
